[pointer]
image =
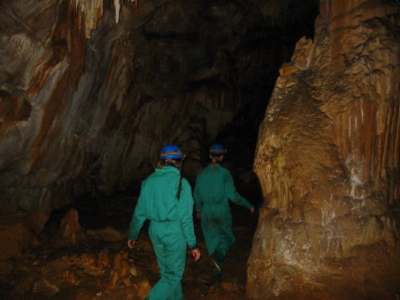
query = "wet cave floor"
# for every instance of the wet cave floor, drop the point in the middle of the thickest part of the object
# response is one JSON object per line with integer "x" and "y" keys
{"x": 100, "y": 265}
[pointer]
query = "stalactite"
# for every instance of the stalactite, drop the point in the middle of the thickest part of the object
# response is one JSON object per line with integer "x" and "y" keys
{"x": 92, "y": 10}
{"x": 117, "y": 6}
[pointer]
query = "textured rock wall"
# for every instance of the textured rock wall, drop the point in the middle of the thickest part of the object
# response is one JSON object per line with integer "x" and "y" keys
{"x": 43, "y": 55}
{"x": 328, "y": 162}
{"x": 20, "y": 231}
{"x": 91, "y": 90}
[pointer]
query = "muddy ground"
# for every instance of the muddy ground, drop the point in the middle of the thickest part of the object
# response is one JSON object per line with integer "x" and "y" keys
{"x": 100, "y": 265}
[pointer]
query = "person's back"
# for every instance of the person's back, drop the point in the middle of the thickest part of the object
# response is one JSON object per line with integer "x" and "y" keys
{"x": 166, "y": 200}
{"x": 214, "y": 188}
{"x": 210, "y": 183}
{"x": 160, "y": 189}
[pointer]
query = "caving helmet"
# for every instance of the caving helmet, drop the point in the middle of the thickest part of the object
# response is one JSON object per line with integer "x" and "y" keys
{"x": 171, "y": 152}
{"x": 217, "y": 150}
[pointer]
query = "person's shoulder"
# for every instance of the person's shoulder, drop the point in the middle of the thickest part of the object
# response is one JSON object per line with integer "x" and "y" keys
{"x": 224, "y": 170}
{"x": 154, "y": 176}
{"x": 149, "y": 178}
{"x": 204, "y": 170}
{"x": 208, "y": 169}
{"x": 185, "y": 181}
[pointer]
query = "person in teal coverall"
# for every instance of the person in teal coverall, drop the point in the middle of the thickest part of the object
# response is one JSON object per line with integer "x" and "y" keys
{"x": 166, "y": 200}
{"x": 213, "y": 190}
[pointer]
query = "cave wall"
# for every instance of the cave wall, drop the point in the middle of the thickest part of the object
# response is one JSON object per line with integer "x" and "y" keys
{"x": 91, "y": 90}
{"x": 328, "y": 162}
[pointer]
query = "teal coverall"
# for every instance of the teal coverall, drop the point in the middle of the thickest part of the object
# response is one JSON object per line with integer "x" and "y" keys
{"x": 214, "y": 188}
{"x": 171, "y": 227}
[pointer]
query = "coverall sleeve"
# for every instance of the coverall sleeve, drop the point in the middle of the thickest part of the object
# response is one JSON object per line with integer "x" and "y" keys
{"x": 198, "y": 202}
{"x": 138, "y": 218}
{"x": 232, "y": 194}
{"x": 185, "y": 213}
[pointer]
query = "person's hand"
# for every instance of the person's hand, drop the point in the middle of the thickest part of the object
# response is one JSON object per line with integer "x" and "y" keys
{"x": 198, "y": 215}
{"x": 131, "y": 243}
{"x": 196, "y": 254}
{"x": 252, "y": 209}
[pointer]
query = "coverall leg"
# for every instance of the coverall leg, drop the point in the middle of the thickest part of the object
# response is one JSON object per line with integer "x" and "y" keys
{"x": 170, "y": 248}
{"x": 218, "y": 236}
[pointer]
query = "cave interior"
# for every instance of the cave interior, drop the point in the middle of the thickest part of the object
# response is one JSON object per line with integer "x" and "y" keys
{"x": 90, "y": 91}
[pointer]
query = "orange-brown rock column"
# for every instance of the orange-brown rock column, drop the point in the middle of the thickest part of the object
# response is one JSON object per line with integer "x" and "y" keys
{"x": 328, "y": 162}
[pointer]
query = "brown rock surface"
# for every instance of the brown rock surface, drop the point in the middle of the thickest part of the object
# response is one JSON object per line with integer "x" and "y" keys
{"x": 109, "y": 270}
{"x": 20, "y": 231}
{"x": 328, "y": 162}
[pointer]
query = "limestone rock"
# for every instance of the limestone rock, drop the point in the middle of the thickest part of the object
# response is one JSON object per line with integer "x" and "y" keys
{"x": 45, "y": 288}
{"x": 20, "y": 231}
{"x": 70, "y": 229}
{"x": 327, "y": 160}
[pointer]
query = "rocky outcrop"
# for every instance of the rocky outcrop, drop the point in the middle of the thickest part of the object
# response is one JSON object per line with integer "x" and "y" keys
{"x": 20, "y": 231}
{"x": 328, "y": 162}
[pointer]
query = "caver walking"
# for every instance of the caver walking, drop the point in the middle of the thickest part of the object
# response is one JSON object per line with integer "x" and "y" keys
{"x": 214, "y": 188}
{"x": 166, "y": 200}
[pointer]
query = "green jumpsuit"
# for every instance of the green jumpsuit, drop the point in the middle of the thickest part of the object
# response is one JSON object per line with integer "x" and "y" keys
{"x": 171, "y": 227}
{"x": 214, "y": 188}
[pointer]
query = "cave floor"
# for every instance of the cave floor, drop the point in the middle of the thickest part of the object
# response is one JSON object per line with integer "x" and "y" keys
{"x": 92, "y": 268}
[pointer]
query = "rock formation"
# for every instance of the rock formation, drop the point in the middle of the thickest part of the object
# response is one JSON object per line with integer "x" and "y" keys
{"x": 328, "y": 162}
{"x": 20, "y": 231}
{"x": 91, "y": 90}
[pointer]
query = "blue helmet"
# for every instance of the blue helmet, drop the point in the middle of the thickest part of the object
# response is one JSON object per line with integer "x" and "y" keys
{"x": 171, "y": 152}
{"x": 217, "y": 149}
